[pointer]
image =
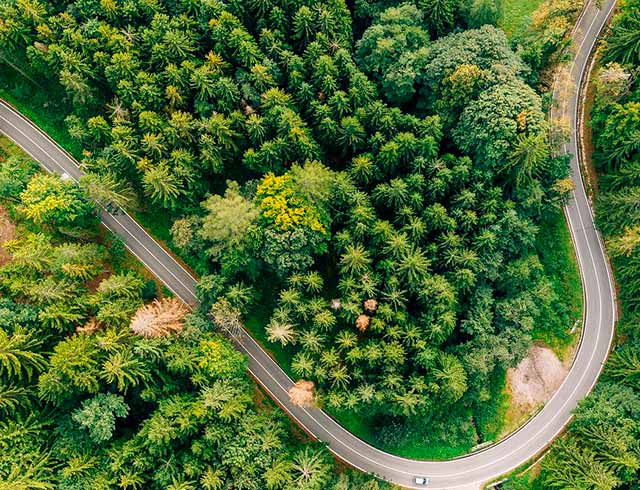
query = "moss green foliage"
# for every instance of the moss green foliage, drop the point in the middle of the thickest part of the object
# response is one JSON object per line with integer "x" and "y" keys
{"x": 382, "y": 197}
{"x": 86, "y": 404}
{"x": 384, "y": 47}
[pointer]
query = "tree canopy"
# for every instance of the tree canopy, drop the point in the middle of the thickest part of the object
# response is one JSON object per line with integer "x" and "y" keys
{"x": 373, "y": 187}
{"x": 98, "y": 390}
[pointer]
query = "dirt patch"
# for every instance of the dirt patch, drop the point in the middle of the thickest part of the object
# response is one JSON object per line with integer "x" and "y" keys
{"x": 93, "y": 284}
{"x": 261, "y": 401}
{"x": 7, "y": 232}
{"x": 536, "y": 378}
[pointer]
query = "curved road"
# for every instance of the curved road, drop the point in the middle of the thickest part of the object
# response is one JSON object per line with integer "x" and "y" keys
{"x": 468, "y": 472}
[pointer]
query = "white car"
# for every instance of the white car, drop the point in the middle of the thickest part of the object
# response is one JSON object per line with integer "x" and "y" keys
{"x": 421, "y": 480}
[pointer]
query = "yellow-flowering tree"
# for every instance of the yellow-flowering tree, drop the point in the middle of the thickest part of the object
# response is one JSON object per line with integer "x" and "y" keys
{"x": 283, "y": 208}
{"x": 294, "y": 220}
{"x": 50, "y": 201}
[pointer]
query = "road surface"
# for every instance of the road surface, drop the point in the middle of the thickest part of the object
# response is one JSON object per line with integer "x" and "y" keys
{"x": 464, "y": 473}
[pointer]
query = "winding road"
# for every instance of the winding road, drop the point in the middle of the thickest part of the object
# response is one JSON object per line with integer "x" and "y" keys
{"x": 468, "y": 472}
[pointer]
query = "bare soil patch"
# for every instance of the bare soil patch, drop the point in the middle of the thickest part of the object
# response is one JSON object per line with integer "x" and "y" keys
{"x": 7, "y": 232}
{"x": 536, "y": 378}
{"x": 531, "y": 384}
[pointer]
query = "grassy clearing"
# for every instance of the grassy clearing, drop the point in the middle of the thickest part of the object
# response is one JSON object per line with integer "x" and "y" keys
{"x": 527, "y": 481}
{"x": 517, "y": 16}
{"x": 415, "y": 448}
{"x": 7, "y": 148}
{"x": 557, "y": 255}
{"x": 418, "y": 447}
{"x": 589, "y": 171}
{"x": 491, "y": 417}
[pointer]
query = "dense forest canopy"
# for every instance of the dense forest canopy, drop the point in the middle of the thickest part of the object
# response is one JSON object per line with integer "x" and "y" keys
{"x": 373, "y": 175}
{"x": 98, "y": 391}
{"x": 381, "y": 194}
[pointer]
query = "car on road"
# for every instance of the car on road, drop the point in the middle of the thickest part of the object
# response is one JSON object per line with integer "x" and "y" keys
{"x": 421, "y": 480}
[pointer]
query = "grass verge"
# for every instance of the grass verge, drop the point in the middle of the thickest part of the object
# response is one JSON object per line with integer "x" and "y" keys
{"x": 558, "y": 258}
{"x": 524, "y": 477}
{"x": 38, "y": 105}
{"x": 417, "y": 447}
{"x": 517, "y": 16}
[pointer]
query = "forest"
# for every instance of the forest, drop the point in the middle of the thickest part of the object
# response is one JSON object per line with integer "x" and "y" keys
{"x": 107, "y": 383}
{"x": 369, "y": 179}
{"x": 601, "y": 450}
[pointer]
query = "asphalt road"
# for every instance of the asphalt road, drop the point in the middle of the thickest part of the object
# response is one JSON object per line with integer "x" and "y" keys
{"x": 467, "y": 472}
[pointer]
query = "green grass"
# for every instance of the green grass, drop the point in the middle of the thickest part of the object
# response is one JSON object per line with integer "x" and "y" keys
{"x": 38, "y": 105}
{"x": 416, "y": 448}
{"x": 517, "y": 16}
{"x": 491, "y": 417}
{"x": 557, "y": 255}
{"x": 159, "y": 224}
{"x": 8, "y": 148}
